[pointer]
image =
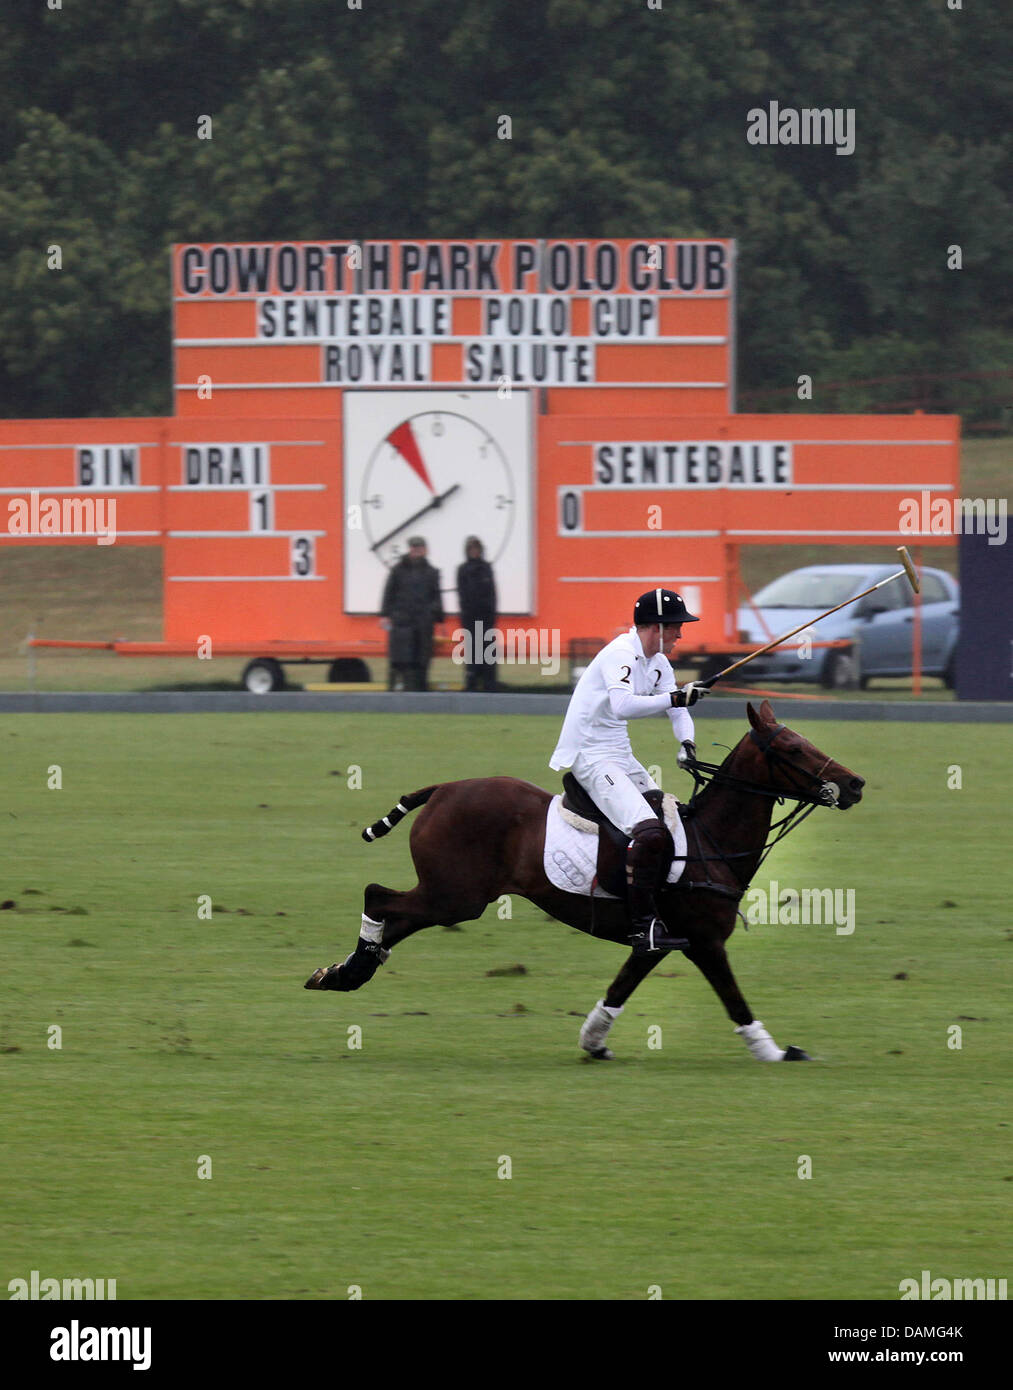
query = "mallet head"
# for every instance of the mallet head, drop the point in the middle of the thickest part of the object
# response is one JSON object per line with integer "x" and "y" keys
{"x": 909, "y": 568}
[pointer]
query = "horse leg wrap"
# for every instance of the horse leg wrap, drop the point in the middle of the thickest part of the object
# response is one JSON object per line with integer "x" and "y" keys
{"x": 360, "y": 967}
{"x": 596, "y": 1027}
{"x": 357, "y": 969}
{"x": 371, "y": 931}
{"x": 759, "y": 1042}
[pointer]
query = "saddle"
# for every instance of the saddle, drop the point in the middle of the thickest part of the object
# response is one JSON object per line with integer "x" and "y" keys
{"x": 612, "y": 842}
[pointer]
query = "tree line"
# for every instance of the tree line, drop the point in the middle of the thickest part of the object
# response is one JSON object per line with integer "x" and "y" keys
{"x": 627, "y": 118}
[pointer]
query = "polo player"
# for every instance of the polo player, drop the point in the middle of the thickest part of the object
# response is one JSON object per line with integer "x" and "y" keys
{"x": 632, "y": 678}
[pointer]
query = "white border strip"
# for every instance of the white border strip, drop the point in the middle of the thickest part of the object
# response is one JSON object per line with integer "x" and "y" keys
{"x": 470, "y": 386}
{"x": 239, "y": 535}
{"x": 245, "y": 578}
{"x": 80, "y": 488}
{"x": 685, "y": 535}
{"x": 640, "y": 579}
{"x": 546, "y": 339}
{"x": 195, "y": 488}
{"x": 842, "y": 442}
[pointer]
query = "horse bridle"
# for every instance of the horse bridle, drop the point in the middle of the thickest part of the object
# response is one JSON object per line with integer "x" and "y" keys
{"x": 829, "y": 792}
{"x": 808, "y": 799}
{"x": 818, "y": 793}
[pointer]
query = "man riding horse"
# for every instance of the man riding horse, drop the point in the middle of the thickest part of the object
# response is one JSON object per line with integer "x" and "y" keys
{"x": 632, "y": 678}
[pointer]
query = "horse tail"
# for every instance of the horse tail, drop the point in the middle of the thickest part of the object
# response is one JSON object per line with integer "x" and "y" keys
{"x": 407, "y": 804}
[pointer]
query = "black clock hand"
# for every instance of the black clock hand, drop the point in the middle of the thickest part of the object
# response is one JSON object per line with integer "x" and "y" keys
{"x": 436, "y": 502}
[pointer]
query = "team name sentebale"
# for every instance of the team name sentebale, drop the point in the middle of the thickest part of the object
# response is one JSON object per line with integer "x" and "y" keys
{"x": 77, "y": 1343}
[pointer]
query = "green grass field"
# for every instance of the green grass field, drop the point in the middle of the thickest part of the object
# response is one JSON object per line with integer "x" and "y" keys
{"x": 377, "y": 1167}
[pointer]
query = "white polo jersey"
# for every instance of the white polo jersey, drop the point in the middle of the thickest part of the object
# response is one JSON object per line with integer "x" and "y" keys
{"x": 590, "y": 726}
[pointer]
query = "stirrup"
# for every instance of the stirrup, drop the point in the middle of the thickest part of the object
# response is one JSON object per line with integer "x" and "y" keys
{"x": 654, "y": 940}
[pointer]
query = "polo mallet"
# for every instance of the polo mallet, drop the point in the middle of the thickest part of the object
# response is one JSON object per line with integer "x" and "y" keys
{"x": 908, "y": 570}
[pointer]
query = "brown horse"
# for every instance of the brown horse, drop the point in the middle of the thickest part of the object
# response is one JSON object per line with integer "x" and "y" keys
{"x": 482, "y": 838}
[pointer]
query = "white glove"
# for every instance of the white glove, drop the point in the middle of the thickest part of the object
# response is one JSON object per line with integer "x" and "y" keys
{"x": 687, "y": 753}
{"x": 689, "y": 694}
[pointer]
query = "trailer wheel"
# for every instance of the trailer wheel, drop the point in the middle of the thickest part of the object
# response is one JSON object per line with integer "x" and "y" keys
{"x": 348, "y": 668}
{"x": 263, "y": 675}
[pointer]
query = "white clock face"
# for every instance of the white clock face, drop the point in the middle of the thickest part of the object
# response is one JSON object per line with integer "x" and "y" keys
{"x": 444, "y": 466}
{"x": 435, "y": 473}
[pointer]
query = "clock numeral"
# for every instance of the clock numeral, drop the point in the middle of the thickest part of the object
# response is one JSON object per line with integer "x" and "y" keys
{"x": 376, "y": 501}
{"x": 502, "y": 501}
{"x": 438, "y": 426}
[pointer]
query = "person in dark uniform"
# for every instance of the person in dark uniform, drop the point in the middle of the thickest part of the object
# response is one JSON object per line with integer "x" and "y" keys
{"x": 476, "y": 593}
{"x": 411, "y": 606}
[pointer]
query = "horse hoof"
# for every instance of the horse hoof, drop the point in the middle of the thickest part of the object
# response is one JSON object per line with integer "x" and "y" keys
{"x": 601, "y": 1054}
{"x": 795, "y": 1054}
{"x": 315, "y": 981}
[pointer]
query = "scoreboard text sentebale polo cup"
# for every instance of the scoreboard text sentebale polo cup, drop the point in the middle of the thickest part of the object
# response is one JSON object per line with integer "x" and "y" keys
{"x": 570, "y": 402}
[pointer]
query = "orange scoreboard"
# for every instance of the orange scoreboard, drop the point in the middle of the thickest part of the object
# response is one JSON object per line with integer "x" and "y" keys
{"x": 570, "y": 402}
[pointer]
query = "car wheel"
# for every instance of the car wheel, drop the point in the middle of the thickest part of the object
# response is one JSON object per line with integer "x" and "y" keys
{"x": 950, "y": 674}
{"x": 263, "y": 676}
{"x": 840, "y": 671}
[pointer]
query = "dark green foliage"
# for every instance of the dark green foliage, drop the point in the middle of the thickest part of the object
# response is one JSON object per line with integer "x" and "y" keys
{"x": 626, "y": 121}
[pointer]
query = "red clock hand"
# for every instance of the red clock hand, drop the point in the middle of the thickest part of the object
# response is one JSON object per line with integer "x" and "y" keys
{"x": 403, "y": 440}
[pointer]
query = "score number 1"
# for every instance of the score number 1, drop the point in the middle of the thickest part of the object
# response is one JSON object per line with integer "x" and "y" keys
{"x": 262, "y": 510}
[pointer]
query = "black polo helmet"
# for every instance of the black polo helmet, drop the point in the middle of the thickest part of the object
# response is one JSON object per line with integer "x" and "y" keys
{"x": 661, "y": 606}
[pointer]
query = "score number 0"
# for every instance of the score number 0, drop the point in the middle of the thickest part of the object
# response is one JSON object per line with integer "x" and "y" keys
{"x": 571, "y": 512}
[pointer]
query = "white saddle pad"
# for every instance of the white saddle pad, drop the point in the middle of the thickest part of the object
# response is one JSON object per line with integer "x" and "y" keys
{"x": 571, "y": 848}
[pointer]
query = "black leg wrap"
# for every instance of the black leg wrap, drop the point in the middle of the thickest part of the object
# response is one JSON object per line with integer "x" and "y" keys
{"x": 358, "y": 969}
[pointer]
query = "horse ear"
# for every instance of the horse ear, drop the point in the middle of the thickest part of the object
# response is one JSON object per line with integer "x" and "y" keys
{"x": 754, "y": 718}
{"x": 767, "y": 714}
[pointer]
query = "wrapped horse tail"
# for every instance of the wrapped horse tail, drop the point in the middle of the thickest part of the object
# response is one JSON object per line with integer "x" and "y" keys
{"x": 407, "y": 804}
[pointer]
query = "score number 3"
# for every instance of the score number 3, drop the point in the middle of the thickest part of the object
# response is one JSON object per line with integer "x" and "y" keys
{"x": 302, "y": 557}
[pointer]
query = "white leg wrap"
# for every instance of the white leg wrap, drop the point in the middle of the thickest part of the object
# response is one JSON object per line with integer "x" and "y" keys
{"x": 371, "y": 931}
{"x": 759, "y": 1042}
{"x": 595, "y": 1028}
